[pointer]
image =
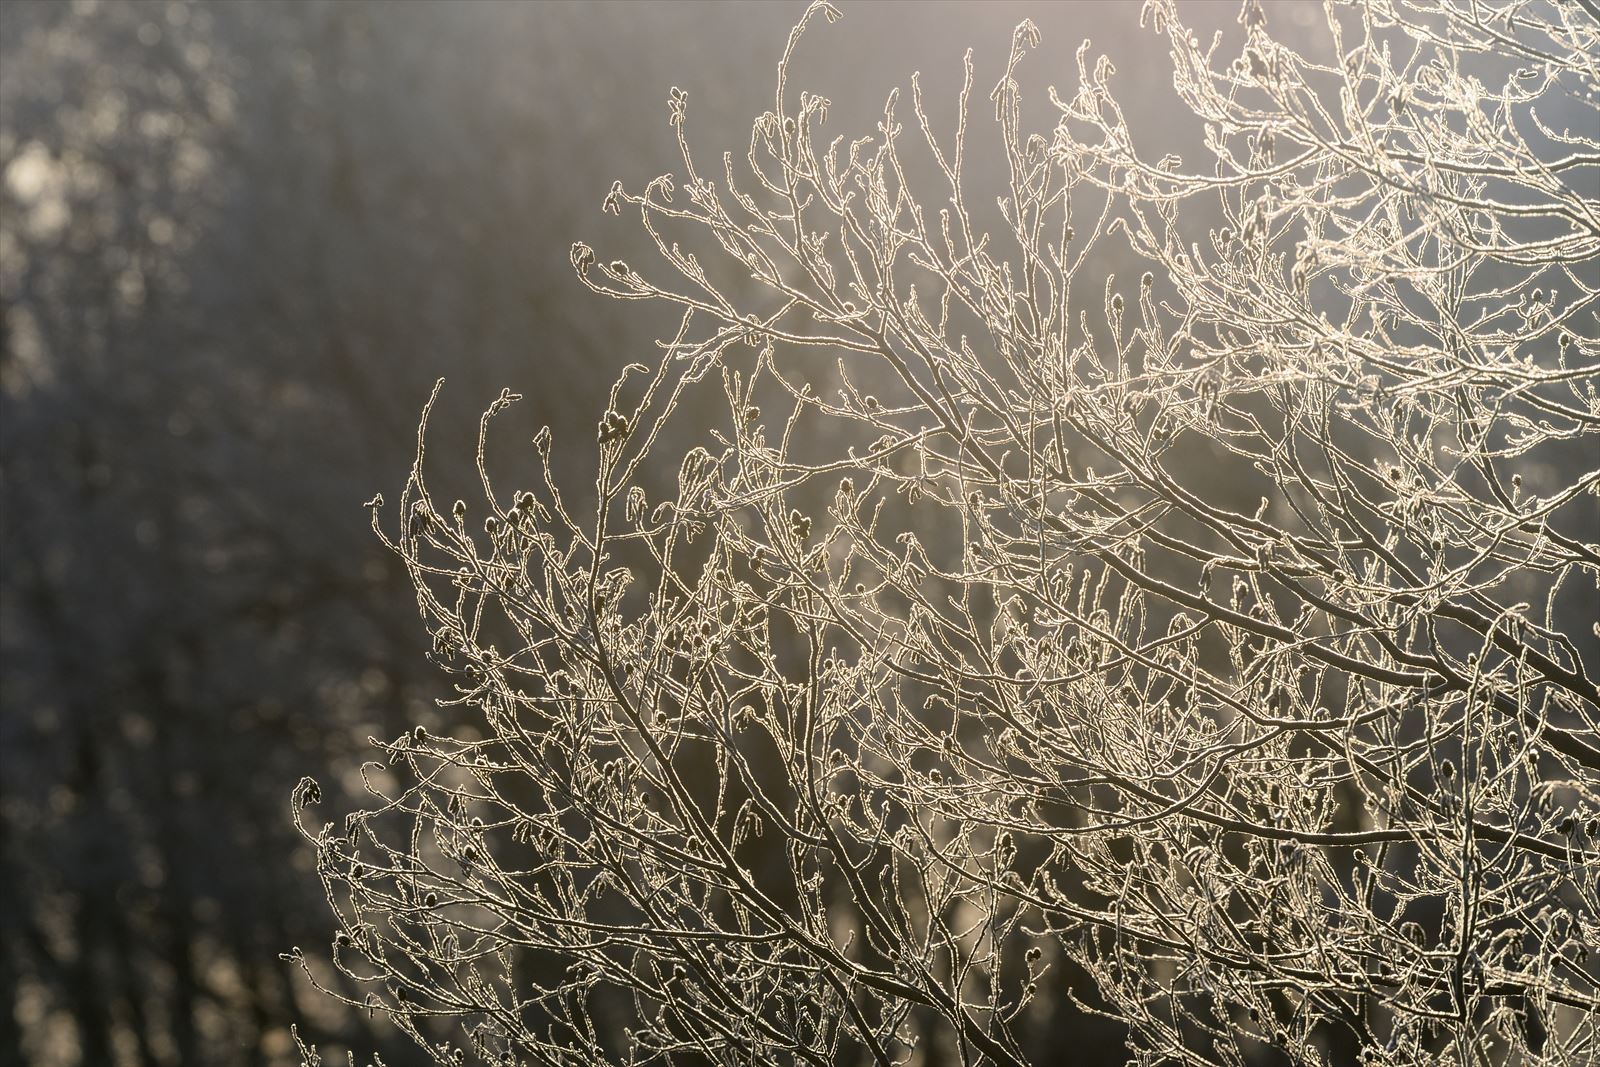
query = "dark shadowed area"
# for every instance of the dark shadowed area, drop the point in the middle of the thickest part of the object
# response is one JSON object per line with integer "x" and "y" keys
{"x": 239, "y": 243}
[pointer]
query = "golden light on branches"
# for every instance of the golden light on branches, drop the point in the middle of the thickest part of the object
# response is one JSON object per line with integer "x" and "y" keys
{"x": 958, "y": 669}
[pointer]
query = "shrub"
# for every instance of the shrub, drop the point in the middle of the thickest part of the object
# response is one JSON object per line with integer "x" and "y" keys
{"x": 960, "y": 629}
